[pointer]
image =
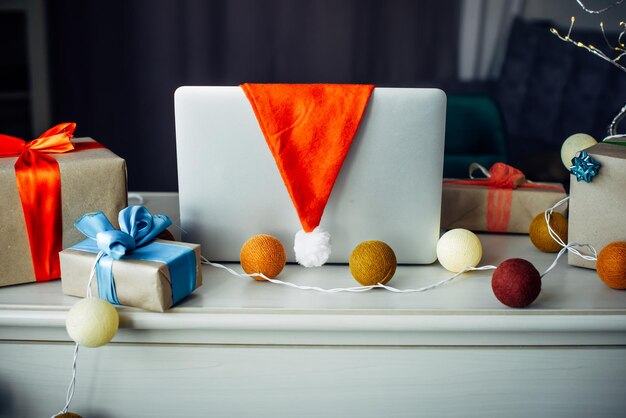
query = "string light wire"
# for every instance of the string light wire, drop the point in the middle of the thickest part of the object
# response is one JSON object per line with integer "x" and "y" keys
{"x": 615, "y": 3}
{"x": 572, "y": 246}
{"x": 355, "y": 289}
{"x": 566, "y": 247}
{"x": 72, "y": 386}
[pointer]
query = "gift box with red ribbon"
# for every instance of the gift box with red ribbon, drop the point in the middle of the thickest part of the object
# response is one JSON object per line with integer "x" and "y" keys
{"x": 47, "y": 184}
{"x": 502, "y": 201}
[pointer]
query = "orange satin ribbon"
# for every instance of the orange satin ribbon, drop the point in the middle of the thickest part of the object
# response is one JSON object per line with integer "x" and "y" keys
{"x": 501, "y": 181}
{"x": 39, "y": 185}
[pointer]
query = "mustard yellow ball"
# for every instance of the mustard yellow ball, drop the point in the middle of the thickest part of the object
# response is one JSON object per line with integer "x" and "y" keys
{"x": 92, "y": 322}
{"x": 263, "y": 254}
{"x": 372, "y": 262}
{"x": 458, "y": 249}
{"x": 539, "y": 235}
{"x": 572, "y": 145}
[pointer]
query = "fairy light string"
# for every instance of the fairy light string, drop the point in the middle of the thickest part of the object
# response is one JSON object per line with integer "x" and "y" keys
{"x": 354, "y": 289}
{"x": 615, "y": 3}
{"x": 619, "y": 49}
{"x": 572, "y": 247}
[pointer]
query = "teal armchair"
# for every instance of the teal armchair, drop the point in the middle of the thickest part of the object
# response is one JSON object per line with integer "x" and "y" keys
{"x": 474, "y": 133}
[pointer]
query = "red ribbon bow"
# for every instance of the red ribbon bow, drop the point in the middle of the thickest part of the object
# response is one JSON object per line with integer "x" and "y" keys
{"x": 500, "y": 180}
{"x": 39, "y": 186}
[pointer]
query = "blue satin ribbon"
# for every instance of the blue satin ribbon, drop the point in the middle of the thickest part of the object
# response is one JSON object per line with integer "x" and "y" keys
{"x": 134, "y": 241}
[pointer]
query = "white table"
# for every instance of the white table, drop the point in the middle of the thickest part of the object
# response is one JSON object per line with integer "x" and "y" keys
{"x": 241, "y": 348}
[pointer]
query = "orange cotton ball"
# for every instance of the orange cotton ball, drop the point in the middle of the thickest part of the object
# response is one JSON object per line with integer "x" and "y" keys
{"x": 539, "y": 235}
{"x": 263, "y": 254}
{"x": 611, "y": 265}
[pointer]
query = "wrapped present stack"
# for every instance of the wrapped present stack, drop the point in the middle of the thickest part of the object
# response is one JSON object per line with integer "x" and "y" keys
{"x": 53, "y": 181}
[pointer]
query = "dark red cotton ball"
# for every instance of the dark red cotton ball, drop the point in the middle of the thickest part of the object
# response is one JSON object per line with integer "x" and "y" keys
{"x": 516, "y": 283}
{"x": 167, "y": 235}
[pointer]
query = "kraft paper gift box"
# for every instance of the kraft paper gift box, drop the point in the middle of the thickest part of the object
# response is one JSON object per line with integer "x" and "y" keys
{"x": 496, "y": 206}
{"x": 597, "y": 208}
{"x": 90, "y": 178}
{"x": 153, "y": 276}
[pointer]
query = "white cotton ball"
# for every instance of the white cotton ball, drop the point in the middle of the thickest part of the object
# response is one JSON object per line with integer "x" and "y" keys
{"x": 458, "y": 249}
{"x": 572, "y": 145}
{"x": 312, "y": 248}
{"x": 92, "y": 322}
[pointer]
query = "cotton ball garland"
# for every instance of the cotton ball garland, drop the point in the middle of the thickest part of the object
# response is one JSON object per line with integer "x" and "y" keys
{"x": 263, "y": 254}
{"x": 372, "y": 262}
{"x": 611, "y": 265}
{"x": 312, "y": 248}
{"x": 573, "y": 145}
{"x": 540, "y": 236}
{"x": 92, "y": 322}
{"x": 458, "y": 249}
{"x": 516, "y": 283}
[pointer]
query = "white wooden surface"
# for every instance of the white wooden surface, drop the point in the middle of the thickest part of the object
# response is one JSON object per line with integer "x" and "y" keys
{"x": 241, "y": 348}
{"x": 295, "y": 381}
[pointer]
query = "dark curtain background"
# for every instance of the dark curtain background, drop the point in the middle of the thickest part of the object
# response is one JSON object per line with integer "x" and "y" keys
{"x": 114, "y": 65}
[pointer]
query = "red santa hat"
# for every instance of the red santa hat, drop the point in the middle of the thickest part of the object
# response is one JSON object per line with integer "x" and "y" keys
{"x": 309, "y": 129}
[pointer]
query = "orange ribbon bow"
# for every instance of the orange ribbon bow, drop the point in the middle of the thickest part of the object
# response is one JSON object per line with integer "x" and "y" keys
{"x": 39, "y": 186}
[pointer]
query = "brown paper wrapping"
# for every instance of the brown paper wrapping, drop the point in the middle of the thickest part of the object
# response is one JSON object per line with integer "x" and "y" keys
{"x": 91, "y": 180}
{"x": 465, "y": 206}
{"x": 598, "y": 209}
{"x": 138, "y": 283}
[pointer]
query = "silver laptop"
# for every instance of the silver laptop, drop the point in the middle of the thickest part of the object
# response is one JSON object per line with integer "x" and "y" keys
{"x": 389, "y": 187}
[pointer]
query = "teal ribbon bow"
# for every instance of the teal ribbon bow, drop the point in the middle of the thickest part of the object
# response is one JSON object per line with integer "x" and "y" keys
{"x": 584, "y": 167}
{"x": 135, "y": 240}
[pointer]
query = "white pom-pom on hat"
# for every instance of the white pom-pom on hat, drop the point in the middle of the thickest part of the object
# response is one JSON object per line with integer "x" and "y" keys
{"x": 312, "y": 248}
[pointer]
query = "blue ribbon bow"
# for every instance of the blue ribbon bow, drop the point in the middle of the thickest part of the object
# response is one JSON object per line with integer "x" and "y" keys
{"x": 134, "y": 240}
{"x": 584, "y": 167}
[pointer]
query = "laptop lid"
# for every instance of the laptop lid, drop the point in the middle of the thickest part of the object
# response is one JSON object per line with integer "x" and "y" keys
{"x": 388, "y": 189}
